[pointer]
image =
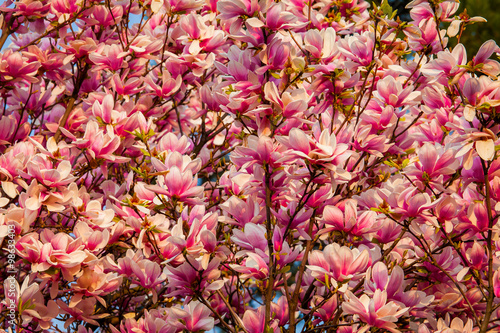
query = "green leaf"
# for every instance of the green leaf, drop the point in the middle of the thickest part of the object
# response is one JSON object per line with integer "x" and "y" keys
{"x": 405, "y": 163}
{"x": 285, "y": 269}
{"x": 275, "y": 75}
{"x": 386, "y": 8}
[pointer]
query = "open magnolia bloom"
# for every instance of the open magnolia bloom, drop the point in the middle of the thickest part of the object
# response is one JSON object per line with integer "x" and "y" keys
{"x": 483, "y": 144}
{"x": 375, "y": 312}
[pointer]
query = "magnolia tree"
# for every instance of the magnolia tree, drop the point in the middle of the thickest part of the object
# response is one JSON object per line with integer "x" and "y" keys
{"x": 247, "y": 166}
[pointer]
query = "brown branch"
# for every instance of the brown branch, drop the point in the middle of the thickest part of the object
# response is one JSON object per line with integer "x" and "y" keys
{"x": 64, "y": 118}
{"x": 489, "y": 243}
{"x": 236, "y": 318}
{"x": 269, "y": 236}
{"x": 6, "y": 31}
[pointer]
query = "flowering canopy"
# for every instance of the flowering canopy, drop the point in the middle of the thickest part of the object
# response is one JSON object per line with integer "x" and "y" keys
{"x": 256, "y": 166}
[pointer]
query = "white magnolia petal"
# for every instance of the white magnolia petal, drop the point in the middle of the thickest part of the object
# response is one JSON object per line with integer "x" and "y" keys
{"x": 454, "y": 28}
{"x": 156, "y": 6}
{"x": 486, "y": 149}
{"x": 255, "y": 22}
{"x": 9, "y": 189}
{"x": 463, "y": 272}
{"x": 469, "y": 112}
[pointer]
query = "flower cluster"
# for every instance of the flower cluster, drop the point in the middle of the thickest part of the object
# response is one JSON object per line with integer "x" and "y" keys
{"x": 254, "y": 166}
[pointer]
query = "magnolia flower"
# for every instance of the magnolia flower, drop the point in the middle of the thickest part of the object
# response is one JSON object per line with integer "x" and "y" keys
{"x": 175, "y": 6}
{"x": 13, "y": 67}
{"x": 148, "y": 273}
{"x": 378, "y": 278}
{"x": 481, "y": 61}
{"x": 177, "y": 185}
{"x": 168, "y": 85}
{"x": 291, "y": 104}
{"x": 321, "y": 44}
{"x": 97, "y": 143}
{"x": 229, "y": 10}
{"x": 8, "y": 126}
{"x": 322, "y": 149}
{"x": 447, "y": 64}
{"x": 482, "y": 142}
{"x": 446, "y": 210}
{"x": 254, "y": 321}
{"x": 41, "y": 168}
{"x": 94, "y": 240}
{"x": 80, "y": 309}
{"x": 374, "y": 311}
{"x": 194, "y": 317}
{"x": 496, "y": 283}
{"x": 424, "y": 35}
{"x": 211, "y": 149}
{"x": 243, "y": 211}
{"x": 170, "y": 142}
{"x": 475, "y": 218}
{"x": 476, "y": 255}
{"x": 53, "y": 250}
{"x": 368, "y": 141}
{"x": 254, "y": 266}
{"x": 94, "y": 282}
{"x": 434, "y": 164}
{"x": 348, "y": 220}
{"x": 326, "y": 310}
{"x": 339, "y": 263}
{"x": 454, "y": 27}
{"x": 105, "y": 112}
{"x": 455, "y": 326}
{"x": 357, "y": 48}
{"x": 109, "y": 57}
{"x": 30, "y": 303}
{"x": 391, "y": 92}
{"x": 258, "y": 150}
{"x": 37, "y": 195}
{"x": 253, "y": 237}
{"x": 190, "y": 278}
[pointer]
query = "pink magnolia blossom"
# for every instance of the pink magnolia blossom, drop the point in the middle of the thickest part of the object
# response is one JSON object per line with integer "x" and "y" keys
{"x": 194, "y": 317}
{"x": 339, "y": 263}
{"x": 434, "y": 163}
{"x": 456, "y": 324}
{"x": 447, "y": 63}
{"x": 357, "y": 48}
{"x": 179, "y": 186}
{"x": 108, "y": 57}
{"x": 424, "y": 36}
{"x": 104, "y": 111}
{"x": 41, "y": 169}
{"x": 322, "y": 149}
{"x": 254, "y": 266}
{"x": 14, "y": 68}
{"x": 96, "y": 282}
{"x": 321, "y": 44}
{"x": 254, "y": 321}
{"x": 374, "y": 311}
{"x": 168, "y": 85}
{"x": 496, "y": 283}
{"x": 481, "y": 61}
{"x": 348, "y": 220}
{"x": 80, "y": 309}
{"x": 31, "y": 306}
{"x": 190, "y": 277}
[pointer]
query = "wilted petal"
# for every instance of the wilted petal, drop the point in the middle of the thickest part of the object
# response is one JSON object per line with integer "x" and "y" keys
{"x": 486, "y": 149}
